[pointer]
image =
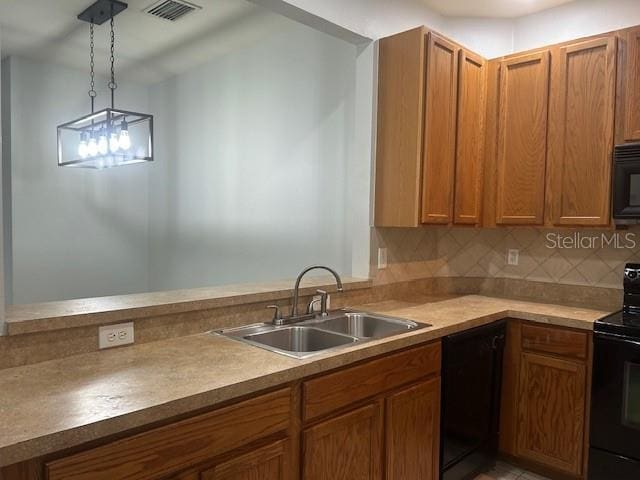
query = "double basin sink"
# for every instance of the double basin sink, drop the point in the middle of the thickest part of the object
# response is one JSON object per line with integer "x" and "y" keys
{"x": 321, "y": 334}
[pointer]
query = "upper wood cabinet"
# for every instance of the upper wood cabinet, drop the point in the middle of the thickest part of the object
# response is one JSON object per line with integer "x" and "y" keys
{"x": 582, "y": 132}
{"x": 423, "y": 133}
{"x": 526, "y": 139}
{"x": 630, "y": 67}
{"x": 401, "y": 69}
{"x": 440, "y": 130}
{"x": 522, "y": 139}
{"x": 472, "y": 85}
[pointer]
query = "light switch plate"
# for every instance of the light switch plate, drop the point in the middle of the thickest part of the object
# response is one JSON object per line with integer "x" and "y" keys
{"x": 115, "y": 335}
{"x": 382, "y": 258}
{"x": 513, "y": 256}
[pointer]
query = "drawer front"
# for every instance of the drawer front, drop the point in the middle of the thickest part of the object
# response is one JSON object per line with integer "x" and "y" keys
{"x": 557, "y": 341}
{"x": 166, "y": 450}
{"x": 339, "y": 389}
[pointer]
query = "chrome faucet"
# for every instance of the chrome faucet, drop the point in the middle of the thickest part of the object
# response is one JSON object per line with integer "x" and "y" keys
{"x": 296, "y": 288}
{"x": 278, "y": 320}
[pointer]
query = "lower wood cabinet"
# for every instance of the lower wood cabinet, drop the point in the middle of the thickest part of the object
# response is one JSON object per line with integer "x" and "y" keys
{"x": 544, "y": 420}
{"x": 266, "y": 463}
{"x": 181, "y": 446}
{"x": 395, "y": 434}
{"x": 375, "y": 419}
{"x": 401, "y": 430}
{"x": 551, "y": 412}
{"x": 413, "y": 432}
{"x": 345, "y": 447}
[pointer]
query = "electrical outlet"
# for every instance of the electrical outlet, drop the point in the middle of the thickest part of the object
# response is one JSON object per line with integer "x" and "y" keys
{"x": 513, "y": 256}
{"x": 382, "y": 258}
{"x": 115, "y": 335}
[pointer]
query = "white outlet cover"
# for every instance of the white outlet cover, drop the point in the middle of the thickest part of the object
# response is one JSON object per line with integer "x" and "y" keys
{"x": 513, "y": 256}
{"x": 115, "y": 335}
{"x": 382, "y": 258}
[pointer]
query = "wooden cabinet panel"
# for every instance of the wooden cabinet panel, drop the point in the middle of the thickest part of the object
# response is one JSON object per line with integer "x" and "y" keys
{"x": 336, "y": 390}
{"x": 557, "y": 341}
{"x": 551, "y": 412}
{"x": 401, "y": 69}
{"x": 582, "y": 128}
{"x": 631, "y": 97}
{"x": 440, "y": 130}
{"x": 470, "y": 140}
{"x": 413, "y": 432}
{"x": 348, "y": 447}
{"x": 167, "y": 450}
{"x": 266, "y": 463}
{"x": 522, "y": 139}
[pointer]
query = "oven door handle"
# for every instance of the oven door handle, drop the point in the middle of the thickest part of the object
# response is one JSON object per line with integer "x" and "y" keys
{"x": 612, "y": 337}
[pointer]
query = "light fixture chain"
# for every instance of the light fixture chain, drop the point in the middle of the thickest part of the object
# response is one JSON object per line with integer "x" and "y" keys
{"x": 92, "y": 91}
{"x": 112, "y": 84}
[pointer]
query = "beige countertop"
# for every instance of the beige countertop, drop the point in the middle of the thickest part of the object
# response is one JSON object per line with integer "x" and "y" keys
{"x": 46, "y": 316}
{"x": 50, "y": 406}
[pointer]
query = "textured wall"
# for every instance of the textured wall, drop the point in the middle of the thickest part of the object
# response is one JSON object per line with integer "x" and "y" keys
{"x": 469, "y": 252}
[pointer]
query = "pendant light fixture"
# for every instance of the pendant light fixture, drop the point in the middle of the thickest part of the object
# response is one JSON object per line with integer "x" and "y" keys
{"x": 110, "y": 137}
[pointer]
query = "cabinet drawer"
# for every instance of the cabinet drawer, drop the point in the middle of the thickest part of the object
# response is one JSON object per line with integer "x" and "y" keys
{"x": 336, "y": 390}
{"x": 166, "y": 450}
{"x": 557, "y": 341}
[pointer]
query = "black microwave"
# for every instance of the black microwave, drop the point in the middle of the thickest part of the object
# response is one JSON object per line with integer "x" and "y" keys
{"x": 626, "y": 184}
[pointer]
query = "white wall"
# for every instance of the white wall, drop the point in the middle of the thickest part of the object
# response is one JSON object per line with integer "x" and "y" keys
{"x": 491, "y": 37}
{"x": 372, "y": 18}
{"x": 75, "y": 232}
{"x": 574, "y": 20}
{"x": 252, "y": 156}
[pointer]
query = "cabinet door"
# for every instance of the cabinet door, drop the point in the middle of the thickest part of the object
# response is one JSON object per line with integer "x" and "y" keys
{"x": 440, "y": 131}
{"x": 348, "y": 447}
{"x": 581, "y": 132}
{"x": 522, "y": 139}
{"x": 266, "y": 463}
{"x": 551, "y": 412}
{"x": 470, "y": 138}
{"x": 631, "y": 97}
{"x": 400, "y": 125}
{"x": 413, "y": 432}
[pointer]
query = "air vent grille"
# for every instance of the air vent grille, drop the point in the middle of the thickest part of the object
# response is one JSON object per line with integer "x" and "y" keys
{"x": 629, "y": 151}
{"x": 171, "y": 10}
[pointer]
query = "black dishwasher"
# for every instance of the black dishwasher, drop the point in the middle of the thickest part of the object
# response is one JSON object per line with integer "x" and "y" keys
{"x": 471, "y": 380}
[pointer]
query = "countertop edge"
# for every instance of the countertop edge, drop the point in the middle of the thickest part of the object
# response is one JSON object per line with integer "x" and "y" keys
{"x": 23, "y": 319}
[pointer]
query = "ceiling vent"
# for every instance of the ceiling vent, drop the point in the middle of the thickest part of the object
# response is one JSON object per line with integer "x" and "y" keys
{"x": 171, "y": 10}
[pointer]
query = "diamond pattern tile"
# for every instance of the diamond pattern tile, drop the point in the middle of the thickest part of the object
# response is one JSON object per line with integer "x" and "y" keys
{"x": 472, "y": 252}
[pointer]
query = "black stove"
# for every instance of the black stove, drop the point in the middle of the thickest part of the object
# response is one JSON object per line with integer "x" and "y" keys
{"x": 626, "y": 322}
{"x": 619, "y": 323}
{"x": 615, "y": 394}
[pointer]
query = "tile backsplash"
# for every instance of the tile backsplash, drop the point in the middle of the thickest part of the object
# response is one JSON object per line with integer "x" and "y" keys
{"x": 581, "y": 257}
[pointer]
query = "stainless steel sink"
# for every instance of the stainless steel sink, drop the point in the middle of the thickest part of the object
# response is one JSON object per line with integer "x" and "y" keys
{"x": 362, "y": 325}
{"x": 322, "y": 334}
{"x": 300, "y": 339}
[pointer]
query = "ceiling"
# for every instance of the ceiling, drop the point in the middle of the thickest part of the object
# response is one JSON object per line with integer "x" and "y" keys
{"x": 148, "y": 49}
{"x": 491, "y": 8}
